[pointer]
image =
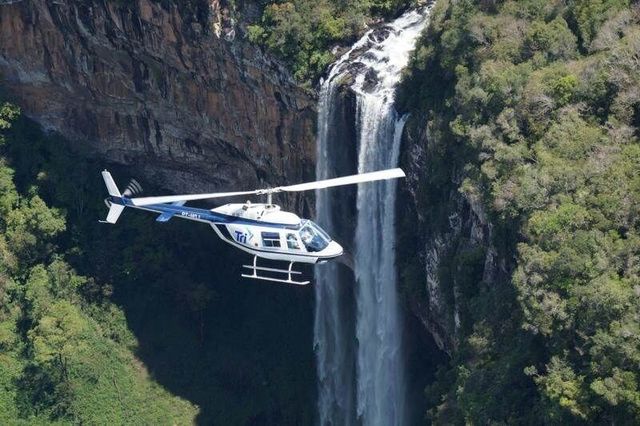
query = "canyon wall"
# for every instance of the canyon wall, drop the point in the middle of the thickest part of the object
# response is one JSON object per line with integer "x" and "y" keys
{"x": 182, "y": 100}
{"x": 446, "y": 242}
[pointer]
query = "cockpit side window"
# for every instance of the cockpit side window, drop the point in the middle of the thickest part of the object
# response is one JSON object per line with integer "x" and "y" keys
{"x": 321, "y": 231}
{"x": 313, "y": 238}
{"x": 292, "y": 242}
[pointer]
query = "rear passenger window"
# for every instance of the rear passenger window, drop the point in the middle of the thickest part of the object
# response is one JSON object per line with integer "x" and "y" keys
{"x": 271, "y": 239}
{"x": 292, "y": 242}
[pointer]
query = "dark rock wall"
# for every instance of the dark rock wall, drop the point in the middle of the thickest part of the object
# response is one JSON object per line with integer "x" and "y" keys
{"x": 143, "y": 86}
{"x": 446, "y": 242}
{"x": 342, "y": 147}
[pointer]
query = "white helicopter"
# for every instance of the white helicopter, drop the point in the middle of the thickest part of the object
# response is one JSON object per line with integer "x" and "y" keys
{"x": 263, "y": 230}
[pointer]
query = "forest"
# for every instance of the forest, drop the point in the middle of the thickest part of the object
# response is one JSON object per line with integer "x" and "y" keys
{"x": 535, "y": 104}
{"x": 303, "y": 32}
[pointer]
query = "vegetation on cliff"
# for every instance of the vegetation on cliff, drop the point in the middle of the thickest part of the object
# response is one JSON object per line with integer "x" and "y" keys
{"x": 135, "y": 323}
{"x": 536, "y": 105}
{"x": 66, "y": 350}
{"x": 302, "y": 31}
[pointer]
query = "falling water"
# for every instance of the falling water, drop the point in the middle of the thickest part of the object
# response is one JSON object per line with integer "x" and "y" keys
{"x": 376, "y": 395}
{"x": 333, "y": 336}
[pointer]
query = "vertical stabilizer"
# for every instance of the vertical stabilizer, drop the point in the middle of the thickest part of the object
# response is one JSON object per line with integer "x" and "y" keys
{"x": 111, "y": 185}
{"x": 115, "y": 210}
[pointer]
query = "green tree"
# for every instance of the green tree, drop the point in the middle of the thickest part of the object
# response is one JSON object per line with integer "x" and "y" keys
{"x": 59, "y": 337}
{"x": 543, "y": 134}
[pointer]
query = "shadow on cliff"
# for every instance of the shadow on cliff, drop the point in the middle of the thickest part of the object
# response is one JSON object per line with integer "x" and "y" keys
{"x": 240, "y": 350}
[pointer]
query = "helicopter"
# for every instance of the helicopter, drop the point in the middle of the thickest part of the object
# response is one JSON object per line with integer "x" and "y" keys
{"x": 263, "y": 230}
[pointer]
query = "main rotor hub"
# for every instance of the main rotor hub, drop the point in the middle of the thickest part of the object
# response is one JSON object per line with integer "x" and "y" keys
{"x": 269, "y": 193}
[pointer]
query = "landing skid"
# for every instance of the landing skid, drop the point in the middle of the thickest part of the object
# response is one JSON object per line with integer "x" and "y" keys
{"x": 288, "y": 272}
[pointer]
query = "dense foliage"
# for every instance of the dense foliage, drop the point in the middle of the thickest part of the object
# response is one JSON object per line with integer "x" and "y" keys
{"x": 135, "y": 323}
{"x": 62, "y": 356}
{"x": 302, "y": 31}
{"x": 536, "y": 105}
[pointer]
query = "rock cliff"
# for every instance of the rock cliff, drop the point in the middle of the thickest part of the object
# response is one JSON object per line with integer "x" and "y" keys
{"x": 142, "y": 85}
{"x": 446, "y": 242}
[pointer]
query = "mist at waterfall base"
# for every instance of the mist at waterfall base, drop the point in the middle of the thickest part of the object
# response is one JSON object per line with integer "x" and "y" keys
{"x": 358, "y": 331}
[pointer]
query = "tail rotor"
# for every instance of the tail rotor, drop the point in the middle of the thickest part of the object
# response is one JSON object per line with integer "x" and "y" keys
{"x": 115, "y": 202}
{"x": 133, "y": 188}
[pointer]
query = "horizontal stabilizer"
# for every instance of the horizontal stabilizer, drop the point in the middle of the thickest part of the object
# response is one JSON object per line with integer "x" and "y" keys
{"x": 164, "y": 217}
{"x": 114, "y": 213}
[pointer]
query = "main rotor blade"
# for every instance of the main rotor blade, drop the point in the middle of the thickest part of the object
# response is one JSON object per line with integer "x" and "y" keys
{"x": 345, "y": 180}
{"x": 145, "y": 201}
{"x": 327, "y": 183}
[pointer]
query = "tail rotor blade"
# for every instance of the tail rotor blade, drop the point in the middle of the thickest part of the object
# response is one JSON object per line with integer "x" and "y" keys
{"x": 137, "y": 188}
{"x": 133, "y": 188}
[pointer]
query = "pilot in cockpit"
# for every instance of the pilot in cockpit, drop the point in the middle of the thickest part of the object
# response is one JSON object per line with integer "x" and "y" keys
{"x": 306, "y": 236}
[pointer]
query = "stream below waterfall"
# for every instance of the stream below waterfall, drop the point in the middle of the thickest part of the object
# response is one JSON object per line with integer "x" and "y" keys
{"x": 358, "y": 328}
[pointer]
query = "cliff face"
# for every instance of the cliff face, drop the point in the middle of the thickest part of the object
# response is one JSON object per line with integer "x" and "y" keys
{"x": 140, "y": 85}
{"x": 446, "y": 241}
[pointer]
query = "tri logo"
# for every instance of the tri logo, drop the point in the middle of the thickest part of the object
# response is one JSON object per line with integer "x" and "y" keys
{"x": 241, "y": 237}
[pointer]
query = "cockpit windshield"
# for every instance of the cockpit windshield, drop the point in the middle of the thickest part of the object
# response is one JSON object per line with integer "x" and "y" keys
{"x": 313, "y": 237}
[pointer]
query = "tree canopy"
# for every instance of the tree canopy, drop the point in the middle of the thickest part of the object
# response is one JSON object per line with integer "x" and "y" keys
{"x": 302, "y": 32}
{"x": 537, "y": 104}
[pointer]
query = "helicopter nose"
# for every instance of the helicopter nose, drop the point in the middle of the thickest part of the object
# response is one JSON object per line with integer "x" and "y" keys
{"x": 333, "y": 250}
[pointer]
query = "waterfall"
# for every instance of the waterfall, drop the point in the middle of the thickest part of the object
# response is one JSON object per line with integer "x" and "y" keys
{"x": 373, "y": 394}
{"x": 332, "y": 334}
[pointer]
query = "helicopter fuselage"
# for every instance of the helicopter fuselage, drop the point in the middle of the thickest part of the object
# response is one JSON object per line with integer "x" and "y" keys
{"x": 263, "y": 230}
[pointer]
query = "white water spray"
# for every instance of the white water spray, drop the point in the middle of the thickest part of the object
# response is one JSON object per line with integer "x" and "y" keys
{"x": 332, "y": 334}
{"x": 380, "y": 390}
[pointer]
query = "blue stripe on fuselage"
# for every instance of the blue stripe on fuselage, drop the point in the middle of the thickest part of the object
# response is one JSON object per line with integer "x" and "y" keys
{"x": 199, "y": 214}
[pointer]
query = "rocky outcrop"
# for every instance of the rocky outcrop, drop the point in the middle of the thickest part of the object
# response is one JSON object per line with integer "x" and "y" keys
{"x": 134, "y": 83}
{"x": 447, "y": 240}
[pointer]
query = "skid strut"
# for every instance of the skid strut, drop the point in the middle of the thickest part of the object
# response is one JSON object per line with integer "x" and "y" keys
{"x": 288, "y": 272}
